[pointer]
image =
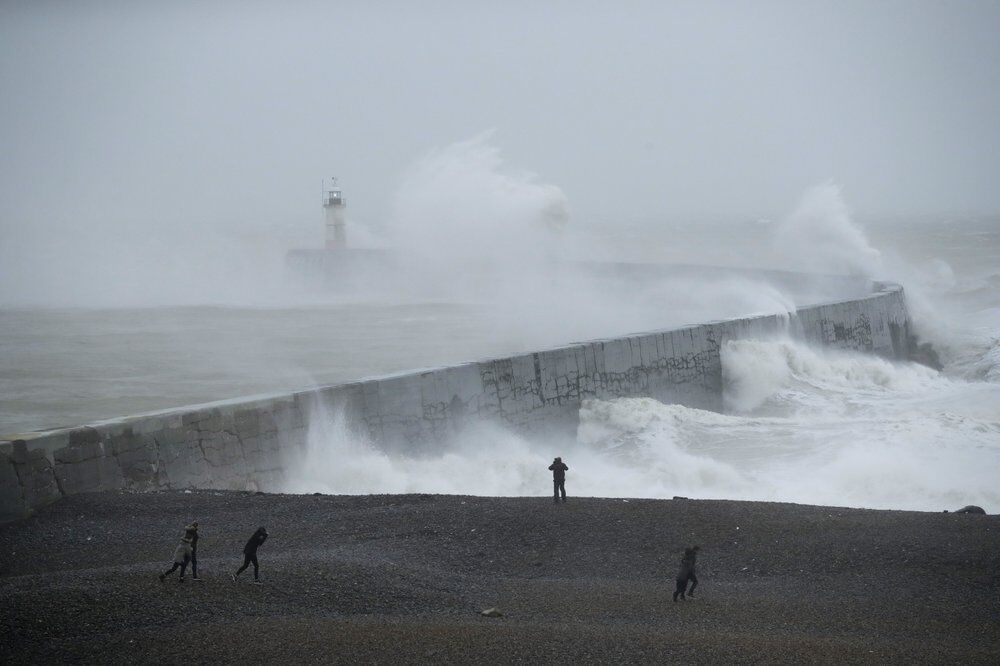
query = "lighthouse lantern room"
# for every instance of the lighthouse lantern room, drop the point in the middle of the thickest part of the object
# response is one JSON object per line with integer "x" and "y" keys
{"x": 336, "y": 225}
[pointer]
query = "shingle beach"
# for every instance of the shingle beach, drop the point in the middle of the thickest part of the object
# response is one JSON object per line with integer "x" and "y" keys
{"x": 403, "y": 579}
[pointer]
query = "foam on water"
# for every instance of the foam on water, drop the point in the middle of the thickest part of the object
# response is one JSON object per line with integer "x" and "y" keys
{"x": 488, "y": 461}
{"x": 801, "y": 424}
{"x": 830, "y": 428}
{"x": 480, "y": 238}
{"x": 842, "y": 429}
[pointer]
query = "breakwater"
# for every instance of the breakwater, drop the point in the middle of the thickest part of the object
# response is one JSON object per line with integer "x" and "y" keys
{"x": 249, "y": 443}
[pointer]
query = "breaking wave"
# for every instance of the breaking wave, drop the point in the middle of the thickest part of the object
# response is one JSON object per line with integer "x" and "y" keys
{"x": 807, "y": 426}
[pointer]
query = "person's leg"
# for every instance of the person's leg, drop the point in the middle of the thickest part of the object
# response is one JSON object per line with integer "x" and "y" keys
{"x": 679, "y": 589}
{"x": 184, "y": 566}
{"x": 562, "y": 489}
{"x": 694, "y": 583}
{"x": 555, "y": 490}
{"x": 256, "y": 567}
{"x": 246, "y": 563}
{"x": 194, "y": 564}
{"x": 170, "y": 570}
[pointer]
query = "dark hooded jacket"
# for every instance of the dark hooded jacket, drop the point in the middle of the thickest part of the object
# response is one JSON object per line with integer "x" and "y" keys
{"x": 191, "y": 533}
{"x": 558, "y": 470}
{"x": 259, "y": 537}
{"x": 688, "y": 562}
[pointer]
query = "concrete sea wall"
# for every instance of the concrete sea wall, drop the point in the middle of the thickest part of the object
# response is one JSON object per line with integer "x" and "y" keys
{"x": 248, "y": 444}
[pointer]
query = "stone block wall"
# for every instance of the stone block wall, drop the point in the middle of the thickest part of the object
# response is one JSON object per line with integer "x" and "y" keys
{"x": 247, "y": 445}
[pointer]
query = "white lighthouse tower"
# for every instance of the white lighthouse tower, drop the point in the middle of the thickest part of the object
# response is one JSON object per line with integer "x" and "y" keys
{"x": 336, "y": 226}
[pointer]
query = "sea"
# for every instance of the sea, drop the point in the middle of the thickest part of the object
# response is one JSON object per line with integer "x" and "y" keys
{"x": 801, "y": 424}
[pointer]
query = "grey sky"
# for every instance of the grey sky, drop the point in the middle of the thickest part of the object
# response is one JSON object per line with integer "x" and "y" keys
{"x": 175, "y": 113}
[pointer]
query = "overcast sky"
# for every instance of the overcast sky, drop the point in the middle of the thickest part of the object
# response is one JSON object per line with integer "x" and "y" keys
{"x": 217, "y": 113}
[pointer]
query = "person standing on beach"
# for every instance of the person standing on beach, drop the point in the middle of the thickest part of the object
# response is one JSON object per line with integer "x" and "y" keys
{"x": 191, "y": 534}
{"x": 182, "y": 555}
{"x": 250, "y": 554}
{"x": 558, "y": 468}
{"x": 687, "y": 573}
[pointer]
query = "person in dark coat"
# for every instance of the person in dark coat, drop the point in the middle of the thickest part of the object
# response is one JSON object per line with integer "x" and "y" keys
{"x": 687, "y": 573}
{"x": 182, "y": 555}
{"x": 558, "y": 468}
{"x": 191, "y": 533}
{"x": 250, "y": 554}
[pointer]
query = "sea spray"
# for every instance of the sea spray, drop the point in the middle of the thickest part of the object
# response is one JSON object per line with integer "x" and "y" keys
{"x": 810, "y": 426}
{"x": 486, "y": 460}
{"x": 755, "y": 370}
{"x": 953, "y": 307}
{"x": 820, "y": 236}
{"x": 818, "y": 427}
{"x": 468, "y": 227}
{"x": 863, "y": 431}
{"x": 460, "y": 216}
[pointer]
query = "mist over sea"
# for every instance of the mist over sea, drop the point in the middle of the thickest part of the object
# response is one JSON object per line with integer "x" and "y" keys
{"x": 801, "y": 425}
{"x": 485, "y": 252}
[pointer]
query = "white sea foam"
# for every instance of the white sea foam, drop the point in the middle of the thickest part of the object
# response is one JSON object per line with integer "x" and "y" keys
{"x": 830, "y": 428}
{"x": 835, "y": 428}
{"x": 755, "y": 370}
{"x": 802, "y": 424}
{"x": 487, "y": 461}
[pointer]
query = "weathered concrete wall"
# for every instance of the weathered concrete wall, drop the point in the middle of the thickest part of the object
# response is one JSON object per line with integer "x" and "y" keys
{"x": 239, "y": 445}
{"x": 248, "y": 444}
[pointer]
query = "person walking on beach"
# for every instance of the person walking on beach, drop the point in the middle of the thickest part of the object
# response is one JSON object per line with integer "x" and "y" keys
{"x": 687, "y": 573}
{"x": 191, "y": 534}
{"x": 250, "y": 554}
{"x": 558, "y": 468}
{"x": 182, "y": 555}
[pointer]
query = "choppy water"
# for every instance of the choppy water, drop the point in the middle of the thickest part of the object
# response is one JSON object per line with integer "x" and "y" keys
{"x": 803, "y": 425}
{"x": 68, "y": 366}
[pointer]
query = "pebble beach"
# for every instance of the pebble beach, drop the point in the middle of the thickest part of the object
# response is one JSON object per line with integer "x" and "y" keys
{"x": 404, "y": 579}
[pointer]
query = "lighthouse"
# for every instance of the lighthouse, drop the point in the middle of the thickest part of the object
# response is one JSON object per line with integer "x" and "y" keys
{"x": 336, "y": 226}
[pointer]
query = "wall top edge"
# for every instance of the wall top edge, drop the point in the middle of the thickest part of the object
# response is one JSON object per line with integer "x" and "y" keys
{"x": 878, "y": 289}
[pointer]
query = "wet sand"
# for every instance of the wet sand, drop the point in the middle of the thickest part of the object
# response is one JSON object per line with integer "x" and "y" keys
{"x": 401, "y": 579}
